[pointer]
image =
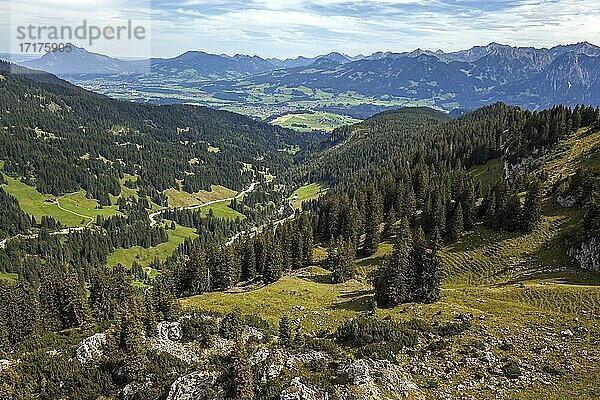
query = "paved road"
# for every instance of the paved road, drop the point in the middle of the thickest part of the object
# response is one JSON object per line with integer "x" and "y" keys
{"x": 258, "y": 229}
{"x": 155, "y": 214}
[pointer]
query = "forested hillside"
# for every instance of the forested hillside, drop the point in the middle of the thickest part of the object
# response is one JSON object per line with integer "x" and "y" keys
{"x": 62, "y": 138}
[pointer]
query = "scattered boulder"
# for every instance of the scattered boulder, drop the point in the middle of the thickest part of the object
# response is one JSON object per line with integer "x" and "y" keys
{"x": 299, "y": 391}
{"x": 260, "y": 356}
{"x": 374, "y": 378}
{"x": 5, "y": 364}
{"x": 186, "y": 352}
{"x": 567, "y": 333}
{"x": 252, "y": 334}
{"x": 168, "y": 335}
{"x": 199, "y": 385}
{"x": 511, "y": 171}
{"x": 358, "y": 372}
{"x": 273, "y": 371}
{"x": 567, "y": 202}
{"x": 91, "y": 348}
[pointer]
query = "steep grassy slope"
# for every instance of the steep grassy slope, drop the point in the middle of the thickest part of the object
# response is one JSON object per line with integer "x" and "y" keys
{"x": 72, "y": 210}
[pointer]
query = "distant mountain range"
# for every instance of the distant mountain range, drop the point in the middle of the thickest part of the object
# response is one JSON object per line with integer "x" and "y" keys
{"x": 525, "y": 76}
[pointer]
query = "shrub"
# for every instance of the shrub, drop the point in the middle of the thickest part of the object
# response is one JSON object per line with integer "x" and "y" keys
{"x": 452, "y": 328}
{"x": 511, "y": 369}
{"x": 380, "y": 351}
{"x": 368, "y": 330}
{"x": 438, "y": 345}
{"x": 202, "y": 330}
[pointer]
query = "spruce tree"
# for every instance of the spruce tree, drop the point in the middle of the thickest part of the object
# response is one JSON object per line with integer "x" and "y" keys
{"x": 532, "y": 210}
{"x": 456, "y": 226}
{"x": 392, "y": 280}
{"x": 513, "y": 213}
{"x": 273, "y": 265}
{"x": 468, "y": 206}
{"x": 241, "y": 375}
{"x": 340, "y": 261}
{"x": 372, "y": 222}
{"x": 248, "y": 261}
{"x": 388, "y": 228}
{"x": 131, "y": 346}
{"x": 72, "y": 300}
{"x": 430, "y": 277}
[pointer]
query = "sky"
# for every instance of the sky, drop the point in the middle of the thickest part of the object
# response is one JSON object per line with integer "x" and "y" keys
{"x": 277, "y": 28}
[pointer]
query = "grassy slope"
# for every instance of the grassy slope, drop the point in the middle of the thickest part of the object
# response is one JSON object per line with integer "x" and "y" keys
{"x": 307, "y": 192}
{"x": 144, "y": 257}
{"x": 178, "y": 198}
{"x": 519, "y": 288}
{"x": 8, "y": 277}
{"x": 307, "y": 288}
{"x": 222, "y": 210}
{"x": 33, "y": 203}
{"x": 488, "y": 173}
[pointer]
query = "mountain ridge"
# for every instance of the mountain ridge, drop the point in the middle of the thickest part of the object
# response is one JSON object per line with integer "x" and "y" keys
{"x": 466, "y": 79}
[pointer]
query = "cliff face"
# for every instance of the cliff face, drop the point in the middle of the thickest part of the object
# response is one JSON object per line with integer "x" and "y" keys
{"x": 588, "y": 254}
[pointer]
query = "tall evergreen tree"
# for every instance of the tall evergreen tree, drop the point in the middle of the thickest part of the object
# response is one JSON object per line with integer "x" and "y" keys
{"x": 372, "y": 221}
{"x": 392, "y": 280}
{"x": 456, "y": 226}
{"x": 468, "y": 206}
{"x": 532, "y": 209}
{"x": 340, "y": 261}
{"x": 242, "y": 377}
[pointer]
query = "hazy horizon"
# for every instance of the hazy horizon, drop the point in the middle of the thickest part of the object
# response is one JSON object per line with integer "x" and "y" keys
{"x": 286, "y": 29}
{"x": 22, "y": 57}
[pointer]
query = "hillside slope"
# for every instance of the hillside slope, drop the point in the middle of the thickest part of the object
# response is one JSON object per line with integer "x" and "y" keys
{"x": 63, "y": 139}
{"x": 528, "y": 302}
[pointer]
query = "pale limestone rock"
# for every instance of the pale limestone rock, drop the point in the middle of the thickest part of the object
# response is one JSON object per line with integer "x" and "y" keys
{"x": 196, "y": 386}
{"x": 91, "y": 348}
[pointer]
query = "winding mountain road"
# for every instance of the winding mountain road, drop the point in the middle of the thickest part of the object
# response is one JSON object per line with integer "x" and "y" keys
{"x": 152, "y": 216}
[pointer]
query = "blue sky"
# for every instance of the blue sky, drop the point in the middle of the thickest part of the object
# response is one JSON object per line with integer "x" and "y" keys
{"x": 276, "y": 28}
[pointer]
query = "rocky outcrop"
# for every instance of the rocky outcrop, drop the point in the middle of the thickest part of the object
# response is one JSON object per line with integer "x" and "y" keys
{"x": 252, "y": 334}
{"x": 588, "y": 254}
{"x": 167, "y": 340}
{"x": 169, "y": 330}
{"x": 567, "y": 201}
{"x": 5, "y": 364}
{"x": 378, "y": 379}
{"x": 300, "y": 391}
{"x": 91, "y": 348}
{"x": 358, "y": 372}
{"x": 260, "y": 356}
{"x": 518, "y": 169}
{"x": 199, "y": 385}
